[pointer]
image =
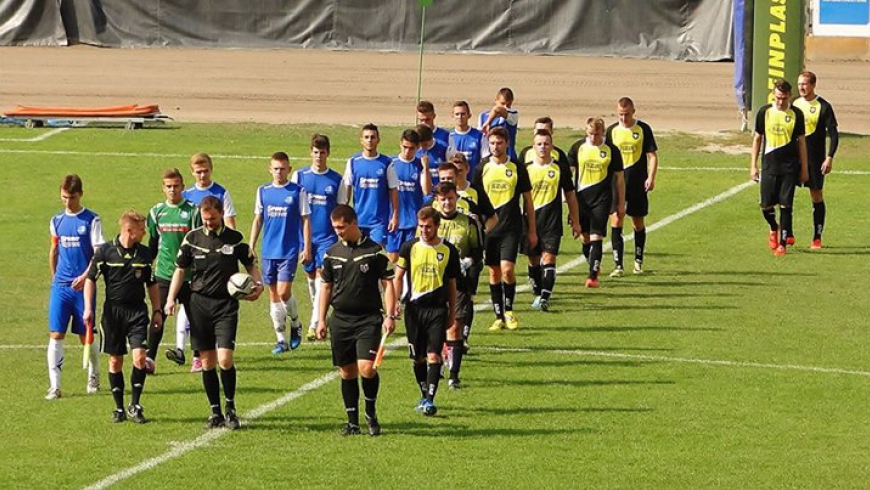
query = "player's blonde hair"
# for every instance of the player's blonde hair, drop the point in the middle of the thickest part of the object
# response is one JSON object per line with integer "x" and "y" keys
{"x": 595, "y": 123}
{"x": 173, "y": 173}
{"x": 133, "y": 217}
{"x": 200, "y": 159}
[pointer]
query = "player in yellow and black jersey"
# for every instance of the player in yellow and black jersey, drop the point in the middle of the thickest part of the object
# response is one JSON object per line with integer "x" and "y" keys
{"x": 821, "y": 124}
{"x": 780, "y": 127}
{"x": 599, "y": 172}
{"x": 527, "y": 154}
{"x": 464, "y": 233}
{"x": 636, "y": 143}
{"x": 506, "y": 183}
{"x": 426, "y": 276}
{"x": 551, "y": 181}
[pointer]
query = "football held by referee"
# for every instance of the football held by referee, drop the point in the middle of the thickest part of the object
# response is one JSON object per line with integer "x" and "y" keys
{"x": 213, "y": 253}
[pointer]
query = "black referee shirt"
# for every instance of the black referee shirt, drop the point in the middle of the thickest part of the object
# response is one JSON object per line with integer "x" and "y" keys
{"x": 355, "y": 271}
{"x": 125, "y": 271}
{"x": 213, "y": 257}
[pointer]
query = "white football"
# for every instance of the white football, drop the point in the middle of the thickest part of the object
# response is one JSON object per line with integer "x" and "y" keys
{"x": 240, "y": 285}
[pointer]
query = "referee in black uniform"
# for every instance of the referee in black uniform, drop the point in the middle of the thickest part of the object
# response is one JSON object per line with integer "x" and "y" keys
{"x": 352, "y": 270}
{"x": 213, "y": 252}
{"x": 125, "y": 265}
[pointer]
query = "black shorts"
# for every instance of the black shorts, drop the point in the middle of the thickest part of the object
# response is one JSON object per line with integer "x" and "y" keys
{"x": 778, "y": 189}
{"x": 426, "y": 327}
{"x": 502, "y": 247}
{"x": 183, "y": 297}
{"x": 354, "y": 337}
{"x": 464, "y": 306}
{"x": 636, "y": 199}
{"x": 121, "y": 323}
{"x": 817, "y": 178}
{"x": 213, "y": 322}
{"x": 547, "y": 242}
{"x": 594, "y": 219}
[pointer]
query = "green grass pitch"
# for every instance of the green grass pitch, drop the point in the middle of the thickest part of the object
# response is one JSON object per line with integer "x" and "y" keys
{"x": 723, "y": 367}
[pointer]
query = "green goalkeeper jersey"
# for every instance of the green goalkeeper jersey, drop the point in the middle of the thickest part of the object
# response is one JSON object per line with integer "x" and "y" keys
{"x": 167, "y": 225}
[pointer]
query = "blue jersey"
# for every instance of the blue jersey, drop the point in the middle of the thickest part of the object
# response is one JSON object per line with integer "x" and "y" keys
{"x": 437, "y": 156}
{"x": 75, "y": 235}
{"x": 371, "y": 180}
{"x": 509, "y": 123}
{"x": 196, "y": 194}
{"x": 470, "y": 144}
{"x": 441, "y": 137}
{"x": 324, "y": 192}
{"x": 410, "y": 190}
{"x": 281, "y": 209}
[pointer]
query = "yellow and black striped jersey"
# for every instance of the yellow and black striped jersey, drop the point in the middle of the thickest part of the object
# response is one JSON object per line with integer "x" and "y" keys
{"x": 596, "y": 166}
{"x": 781, "y": 130}
{"x": 634, "y": 144}
{"x": 504, "y": 185}
{"x": 820, "y": 123}
{"x": 428, "y": 269}
{"x": 549, "y": 181}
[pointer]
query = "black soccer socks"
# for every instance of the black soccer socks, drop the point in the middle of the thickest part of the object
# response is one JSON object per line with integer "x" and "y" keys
{"x": 350, "y": 394}
{"x": 595, "y": 252}
{"x": 116, "y": 383}
{"x": 548, "y": 282}
{"x": 212, "y": 389}
{"x": 535, "y": 279}
{"x": 370, "y": 387}
{"x": 819, "y": 211}
{"x": 496, "y": 293}
{"x": 618, "y": 244}
{"x": 639, "y": 245}
{"x": 770, "y": 217}
{"x": 137, "y": 380}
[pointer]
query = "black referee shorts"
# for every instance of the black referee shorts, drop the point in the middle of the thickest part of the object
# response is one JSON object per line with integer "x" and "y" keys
{"x": 426, "y": 328}
{"x": 354, "y": 337}
{"x": 778, "y": 189}
{"x": 213, "y": 322}
{"x": 183, "y": 297}
{"x": 122, "y": 323}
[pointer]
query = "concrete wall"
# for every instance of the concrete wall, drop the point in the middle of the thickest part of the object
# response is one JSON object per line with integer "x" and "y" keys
{"x": 837, "y": 48}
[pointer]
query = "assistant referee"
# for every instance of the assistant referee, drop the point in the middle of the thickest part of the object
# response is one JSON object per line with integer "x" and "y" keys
{"x": 352, "y": 270}
{"x": 213, "y": 253}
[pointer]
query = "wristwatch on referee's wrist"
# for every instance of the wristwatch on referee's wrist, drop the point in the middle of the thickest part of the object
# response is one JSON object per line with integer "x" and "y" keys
{"x": 393, "y": 317}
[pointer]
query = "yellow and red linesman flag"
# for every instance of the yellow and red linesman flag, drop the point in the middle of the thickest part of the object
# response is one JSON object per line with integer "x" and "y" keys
{"x": 379, "y": 357}
{"x": 89, "y": 341}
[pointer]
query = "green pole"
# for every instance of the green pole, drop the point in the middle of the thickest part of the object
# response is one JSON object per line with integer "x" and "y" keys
{"x": 420, "y": 63}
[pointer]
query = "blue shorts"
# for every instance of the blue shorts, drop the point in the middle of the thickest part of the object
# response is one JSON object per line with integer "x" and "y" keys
{"x": 399, "y": 237}
{"x": 377, "y": 233}
{"x": 318, "y": 250}
{"x": 279, "y": 270}
{"x": 65, "y": 304}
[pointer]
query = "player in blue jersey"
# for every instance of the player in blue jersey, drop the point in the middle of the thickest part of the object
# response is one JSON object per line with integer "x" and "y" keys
{"x": 202, "y": 167}
{"x": 414, "y": 184}
{"x": 463, "y": 138}
{"x": 503, "y": 115}
{"x": 426, "y": 116}
{"x": 281, "y": 212}
{"x": 431, "y": 153}
{"x": 372, "y": 184}
{"x": 324, "y": 189}
{"x": 75, "y": 233}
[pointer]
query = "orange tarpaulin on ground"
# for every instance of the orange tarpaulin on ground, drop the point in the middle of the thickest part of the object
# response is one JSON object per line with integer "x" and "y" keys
{"x": 114, "y": 111}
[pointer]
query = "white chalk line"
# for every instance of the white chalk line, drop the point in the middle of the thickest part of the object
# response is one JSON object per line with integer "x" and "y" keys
{"x": 41, "y": 137}
{"x": 690, "y": 360}
{"x": 203, "y": 440}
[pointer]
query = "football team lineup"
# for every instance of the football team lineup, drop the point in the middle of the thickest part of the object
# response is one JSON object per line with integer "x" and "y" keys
{"x": 714, "y": 333}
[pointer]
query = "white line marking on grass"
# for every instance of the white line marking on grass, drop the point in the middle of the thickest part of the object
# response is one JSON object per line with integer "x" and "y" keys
{"x": 690, "y": 360}
{"x": 41, "y": 137}
{"x": 183, "y": 448}
{"x": 135, "y": 155}
{"x": 744, "y": 169}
